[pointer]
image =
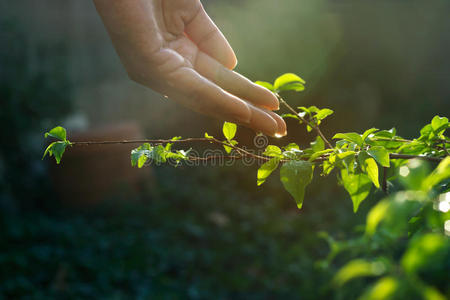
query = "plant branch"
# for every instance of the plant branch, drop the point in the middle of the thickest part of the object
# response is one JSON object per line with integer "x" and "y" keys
{"x": 311, "y": 124}
{"x": 241, "y": 151}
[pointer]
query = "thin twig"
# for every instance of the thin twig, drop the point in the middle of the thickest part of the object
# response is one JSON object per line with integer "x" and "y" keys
{"x": 384, "y": 186}
{"x": 311, "y": 124}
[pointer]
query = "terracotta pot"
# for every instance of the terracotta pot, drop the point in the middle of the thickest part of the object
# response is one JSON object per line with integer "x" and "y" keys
{"x": 89, "y": 175}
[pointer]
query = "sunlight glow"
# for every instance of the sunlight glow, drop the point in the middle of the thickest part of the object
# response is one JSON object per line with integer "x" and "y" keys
{"x": 404, "y": 171}
{"x": 444, "y": 202}
{"x": 447, "y": 227}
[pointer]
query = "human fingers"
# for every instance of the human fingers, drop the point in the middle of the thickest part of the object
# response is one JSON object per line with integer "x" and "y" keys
{"x": 199, "y": 94}
{"x": 206, "y": 35}
{"x": 235, "y": 83}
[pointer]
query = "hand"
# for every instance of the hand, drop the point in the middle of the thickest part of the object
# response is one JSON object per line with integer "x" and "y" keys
{"x": 173, "y": 47}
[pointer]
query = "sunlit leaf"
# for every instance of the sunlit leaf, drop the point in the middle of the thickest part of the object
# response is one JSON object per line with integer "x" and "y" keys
{"x": 441, "y": 173}
{"x": 318, "y": 144}
{"x": 273, "y": 151}
{"x": 358, "y": 268}
{"x": 439, "y": 124}
{"x": 292, "y": 116}
{"x": 286, "y": 79}
{"x": 424, "y": 250}
{"x": 350, "y": 137}
{"x": 368, "y": 132}
{"x": 384, "y": 289}
{"x": 323, "y": 113}
{"x": 266, "y": 169}
{"x": 369, "y": 166}
{"x": 376, "y": 215}
{"x": 265, "y": 84}
{"x": 229, "y": 130}
{"x": 56, "y": 149}
{"x": 357, "y": 185}
{"x": 295, "y": 176}
{"x": 380, "y": 154}
{"x": 208, "y": 136}
{"x": 57, "y": 133}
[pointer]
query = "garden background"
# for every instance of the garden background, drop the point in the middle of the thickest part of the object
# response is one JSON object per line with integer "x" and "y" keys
{"x": 110, "y": 231}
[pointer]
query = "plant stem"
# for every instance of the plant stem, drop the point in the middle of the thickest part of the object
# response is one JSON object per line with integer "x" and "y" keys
{"x": 242, "y": 152}
{"x": 311, "y": 124}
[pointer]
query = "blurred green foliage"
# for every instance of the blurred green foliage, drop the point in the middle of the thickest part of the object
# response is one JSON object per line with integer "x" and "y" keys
{"x": 35, "y": 91}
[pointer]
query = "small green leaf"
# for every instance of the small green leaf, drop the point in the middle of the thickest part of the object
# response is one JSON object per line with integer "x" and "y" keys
{"x": 266, "y": 169}
{"x": 357, "y": 185}
{"x": 286, "y": 79}
{"x": 323, "y": 113}
{"x": 386, "y": 133}
{"x": 228, "y": 149}
{"x": 380, "y": 154}
{"x": 358, "y": 268}
{"x": 317, "y": 154}
{"x": 139, "y": 155}
{"x": 208, "y": 136}
{"x": 318, "y": 144}
{"x": 273, "y": 151}
{"x": 424, "y": 250}
{"x": 56, "y": 149}
{"x": 439, "y": 124}
{"x": 441, "y": 173}
{"x": 290, "y": 116}
{"x": 295, "y": 176}
{"x": 383, "y": 289}
{"x": 265, "y": 84}
{"x": 294, "y": 86}
{"x": 57, "y": 133}
{"x": 350, "y": 137}
{"x": 229, "y": 130}
{"x": 369, "y": 166}
{"x": 368, "y": 132}
{"x": 376, "y": 215}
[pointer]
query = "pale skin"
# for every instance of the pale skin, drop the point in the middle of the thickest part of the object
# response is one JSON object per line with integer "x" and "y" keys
{"x": 173, "y": 47}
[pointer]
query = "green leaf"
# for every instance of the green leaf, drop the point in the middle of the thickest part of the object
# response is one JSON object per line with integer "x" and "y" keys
{"x": 358, "y": 268}
{"x": 380, "y": 154}
{"x": 318, "y": 144}
{"x": 228, "y": 149}
{"x": 266, "y": 169}
{"x": 286, "y": 79}
{"x": 350, "y": 137}
{"x": 383, "y": 289}
{"x": 140, "y": 155}
{"x": 229, "y": 130}
{"x": 429, "y": 249}
{"x": 208, "y": 136}
{"x": 295, "y": 176}
{"x": 376, "y": 215}
{"x": 317, "y": 154}
{"x": 386, "y": 133}
{"x": 368, "y": 132}
{"x": 265, "y": 84}
{"x": 57, "y": 133}
{"x": 56, "y": 149}
{"x": 294, "y": 86}
{"x": 290, "y": 116}
{"x": 441, "y": 173}
{"x": 369, "y": 166}
{"x": 169, "y": 145}
{"x": 357, "y": 185}
{"x": 273, "y": 151}
{"x": 439, "y": 124}
{"x": 323, "y": 113}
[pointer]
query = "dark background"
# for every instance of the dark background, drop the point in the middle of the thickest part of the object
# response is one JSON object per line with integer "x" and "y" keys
{"x": 203, "y": 232}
